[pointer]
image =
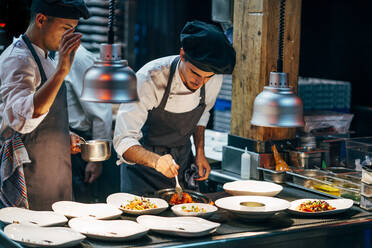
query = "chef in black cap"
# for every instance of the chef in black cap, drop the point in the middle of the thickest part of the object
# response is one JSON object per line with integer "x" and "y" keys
{"x": 176, "y": 94}
{"x": 34, "y": 104}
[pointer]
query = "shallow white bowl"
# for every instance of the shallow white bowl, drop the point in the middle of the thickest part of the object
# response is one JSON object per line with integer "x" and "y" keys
{"x": 341, "y": 205}
{"x": 119, "y": 199}
{"x": 179, "y": 210}
{"x": 252, "y": 187}
{"x": 26, "y": 216}
{"x": 272, "y": 205}
{"x": 35, "y": 236}
{"x": 178, "y": 226}
{"x": 115, "y": 230}
{"x": 72, "y": 209}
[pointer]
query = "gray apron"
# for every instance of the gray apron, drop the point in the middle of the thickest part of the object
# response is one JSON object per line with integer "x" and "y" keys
{"x": 48, "y": 177}
{"x": 164, "y": 133}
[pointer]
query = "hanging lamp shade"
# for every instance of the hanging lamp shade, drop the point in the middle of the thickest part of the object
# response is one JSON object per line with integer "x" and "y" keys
{"x": 109, "y": 80}
{"x": 277, "y": 105}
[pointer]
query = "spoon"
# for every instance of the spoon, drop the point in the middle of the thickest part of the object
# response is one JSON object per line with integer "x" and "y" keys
{"x": 178, "y": 187}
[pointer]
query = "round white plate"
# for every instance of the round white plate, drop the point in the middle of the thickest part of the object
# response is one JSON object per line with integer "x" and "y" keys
{"x": 179, "y": 209}
{"x": 178, "y": 226}
{"x": 272, "y": 205}
{"x": 119, "y": 199}
{"x": 252, "y": 187}
{"x": 341, "y": 205}
{"x": 35, "y": 236}
{"x": 116, "y": 230}
{"x": 101, "y": 211}
{"x": 25, "y": 216}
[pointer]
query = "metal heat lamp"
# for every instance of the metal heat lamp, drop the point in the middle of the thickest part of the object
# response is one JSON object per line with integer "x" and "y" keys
{"x": 278, "y": 105}
{"x": 110, "y": 80}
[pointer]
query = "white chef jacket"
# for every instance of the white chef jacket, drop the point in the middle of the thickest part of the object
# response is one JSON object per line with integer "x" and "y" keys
{"x": 152, "y": 80}
{"x": 86, "y": 116}
{"x": 19, "y": 79}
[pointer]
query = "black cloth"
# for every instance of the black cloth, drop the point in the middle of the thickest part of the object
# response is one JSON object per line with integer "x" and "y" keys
{"x": 164, "y": 133}
{"x": 69, "y": 9}
{"x": 207, "y": 48}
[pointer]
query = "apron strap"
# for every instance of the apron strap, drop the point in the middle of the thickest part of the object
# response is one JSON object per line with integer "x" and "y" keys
{"x": 170, "y": 78}
{"x": 36, "y": 57}
{"x": 169, "y": 84}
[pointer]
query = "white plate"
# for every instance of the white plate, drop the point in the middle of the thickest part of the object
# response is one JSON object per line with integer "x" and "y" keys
{"x": 252, "y": 187}
{"x": 272, "y": 205}
{"x": 116, "y": 230}
{"x": 178, "y": 226}
{"x": 35, "y": 236}
{"x": 72, "y": 209}
{"x": 341, "y": 205}
{"x": 41, "y": 218}
{"x": 209, "y": 209}
{"x": 119, "y": 199}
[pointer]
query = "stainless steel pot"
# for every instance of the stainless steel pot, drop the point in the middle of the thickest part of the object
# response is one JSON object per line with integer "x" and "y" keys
{"x": 95, "y": 150}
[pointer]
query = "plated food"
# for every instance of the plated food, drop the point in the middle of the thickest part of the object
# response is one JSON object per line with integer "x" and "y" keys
{"x": 196, "y": 197}
{"x": 137, "y": 205}
{"x": 314, "y": 207}
{"x": 194, "y": 209}
{"x": 185, "y": 198}
{"x": 263, "y": 207}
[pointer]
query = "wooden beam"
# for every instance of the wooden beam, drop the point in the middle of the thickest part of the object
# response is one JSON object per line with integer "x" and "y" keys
{"x": 256, "y": 43}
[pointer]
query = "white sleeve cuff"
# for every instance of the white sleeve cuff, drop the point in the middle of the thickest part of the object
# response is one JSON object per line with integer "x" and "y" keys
{"x": 122, "y": 147}
{"x": 204, "y": 119}
{"x": 26, "y": 111}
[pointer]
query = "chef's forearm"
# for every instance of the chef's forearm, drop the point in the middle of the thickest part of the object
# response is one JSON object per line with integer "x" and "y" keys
{"x": 139, "y": 155}
{"x": 45, "y": 96}
{"x": 199, "y": 140}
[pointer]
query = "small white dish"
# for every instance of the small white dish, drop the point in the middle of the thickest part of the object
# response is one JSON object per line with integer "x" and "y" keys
{"x": 115, "y": 230}
{"x": 252, "y": 187}
{"x": 25, "y": 216}
{"x": 341, "y": 205}
{"x": 35, "y": 236}
{"x": 179, "y": 226}
{"x": 184, "y": 209}
{"x": 271, "y": 206}
{"x": 119, "y": 199}
{"x": 101, "y": 211}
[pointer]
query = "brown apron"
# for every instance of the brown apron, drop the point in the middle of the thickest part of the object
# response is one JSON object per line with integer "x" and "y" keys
{"x": 48, "y": 176}
{"x": 164, "y": 133}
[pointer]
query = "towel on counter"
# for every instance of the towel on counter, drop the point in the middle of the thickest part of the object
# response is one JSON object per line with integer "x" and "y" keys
{"x": 13, "y": 191}
{"x": 190, "y": 175}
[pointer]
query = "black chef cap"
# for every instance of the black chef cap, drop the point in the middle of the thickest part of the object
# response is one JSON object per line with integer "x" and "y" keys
{"x": 207, "y": 48}
{"x": 69, "y": 9}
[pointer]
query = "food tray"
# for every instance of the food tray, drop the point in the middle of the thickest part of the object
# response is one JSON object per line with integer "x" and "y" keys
{"x": 274, "y": 176}
{"x": 340, "y": 170}
{"x": 166, "y": 194}
{"x": 316, "y": 180}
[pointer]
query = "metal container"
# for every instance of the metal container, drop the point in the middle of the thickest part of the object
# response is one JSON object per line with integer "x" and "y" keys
{"x": 274, "y": 176}
{"x": 96, "y": 150}
{"x": 167, "y": 194}
{"x": 305, "y": 159}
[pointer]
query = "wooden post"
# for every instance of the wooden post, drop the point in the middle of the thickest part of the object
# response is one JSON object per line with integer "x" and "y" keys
{"x": 256, "y": 25}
